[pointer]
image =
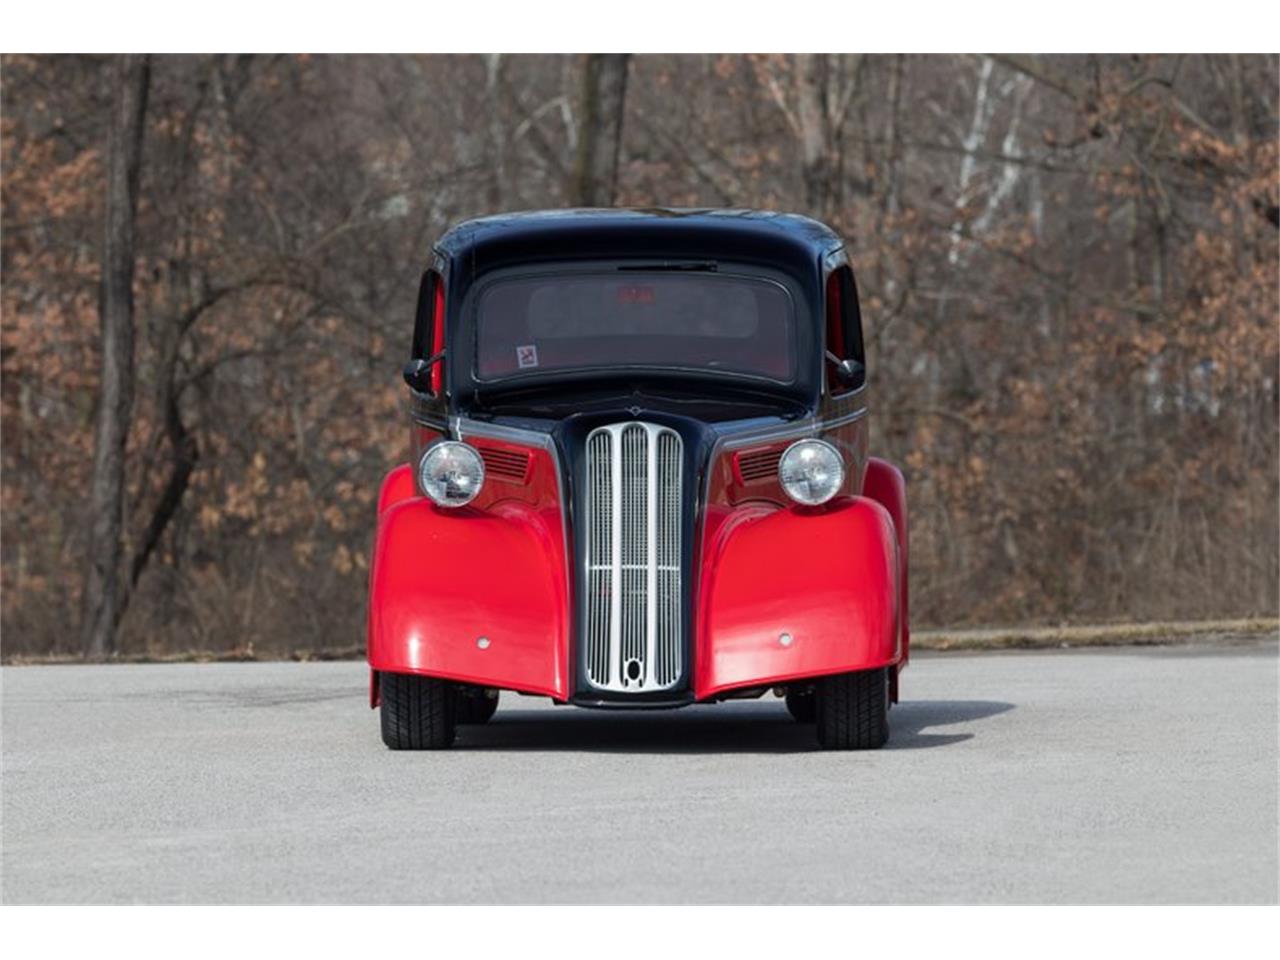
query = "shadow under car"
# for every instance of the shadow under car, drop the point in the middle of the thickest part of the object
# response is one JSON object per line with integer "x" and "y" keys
{"x": 742, "y": 727}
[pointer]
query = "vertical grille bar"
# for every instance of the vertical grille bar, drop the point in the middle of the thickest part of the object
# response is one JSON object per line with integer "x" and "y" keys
{"x": 633, "y": 622}
{"x": 614, "y": 676}
{"x": 650, "y": 534}
{"x": 601, "y": 568}
{"x": 667, "y": 667}
{"x": 634, "y": 547}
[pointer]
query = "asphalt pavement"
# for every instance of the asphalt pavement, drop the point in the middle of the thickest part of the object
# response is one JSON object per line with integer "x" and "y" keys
{"x": 1128, "y": 776}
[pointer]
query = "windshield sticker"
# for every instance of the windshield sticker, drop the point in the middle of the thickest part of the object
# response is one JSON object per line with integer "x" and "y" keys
{"x": 635, "y": 294}
{"x": 527, "y": 356}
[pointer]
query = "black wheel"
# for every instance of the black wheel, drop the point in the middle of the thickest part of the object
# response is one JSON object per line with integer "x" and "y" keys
{"x": 418, "y": 713}
{"x": 474, "y": 706}
{"x": 853, "y": 710}
{"x": 803, "y": 705}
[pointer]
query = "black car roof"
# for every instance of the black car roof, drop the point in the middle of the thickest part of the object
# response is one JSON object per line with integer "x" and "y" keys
{"x": 759, "y": 236}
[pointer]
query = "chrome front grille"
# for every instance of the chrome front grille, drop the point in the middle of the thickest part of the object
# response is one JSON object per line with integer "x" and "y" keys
{"x": 633, "y": 623}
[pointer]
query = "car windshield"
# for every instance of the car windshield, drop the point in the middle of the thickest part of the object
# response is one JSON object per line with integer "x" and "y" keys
{"x": 687, "y": 321}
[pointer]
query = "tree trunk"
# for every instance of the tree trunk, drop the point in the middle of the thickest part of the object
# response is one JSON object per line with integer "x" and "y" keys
{"x": 99, "y": 614}
{"x": 822, "y": 89}
{"x": 815, "y": 132}
{"x": 889, "y": 167}
{"x": 604, "y": 94}
{"x": 495, "y": 194}
{"x": 185, "y": 453}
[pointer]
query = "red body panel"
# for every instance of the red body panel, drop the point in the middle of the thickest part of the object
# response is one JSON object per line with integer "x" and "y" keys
{"x": 828, "y": 578}
{"x": 396, "y": 486}
{"x": 885, "y": 485}
{"x": 441, "y": 579}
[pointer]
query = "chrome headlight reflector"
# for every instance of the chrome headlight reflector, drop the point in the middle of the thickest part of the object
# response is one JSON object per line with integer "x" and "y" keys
{"x": 451, "y": 473}
{"x": 811, "y": 472}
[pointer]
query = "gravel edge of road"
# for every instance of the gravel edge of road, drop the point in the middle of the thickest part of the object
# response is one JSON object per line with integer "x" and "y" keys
{"x": 1100, "y": 635}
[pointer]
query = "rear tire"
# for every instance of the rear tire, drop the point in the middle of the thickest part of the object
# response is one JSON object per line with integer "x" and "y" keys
{"x": 853, "y": 710}
{"x": 803, "y": 706}
{"x": 474, "y": 706}
{"x": 418, "y": 713}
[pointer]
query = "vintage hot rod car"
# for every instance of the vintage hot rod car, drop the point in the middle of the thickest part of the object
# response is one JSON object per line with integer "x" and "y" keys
{"x": 640, "y": 479}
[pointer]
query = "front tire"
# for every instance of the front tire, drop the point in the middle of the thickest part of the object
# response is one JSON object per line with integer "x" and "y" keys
{"x": 853, "y": 710}
{"x": 418, "y": 713}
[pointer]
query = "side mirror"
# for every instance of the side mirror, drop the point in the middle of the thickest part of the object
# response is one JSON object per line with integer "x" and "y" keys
{"x": 417, "y": 374}
{"x": 850, "y": 373}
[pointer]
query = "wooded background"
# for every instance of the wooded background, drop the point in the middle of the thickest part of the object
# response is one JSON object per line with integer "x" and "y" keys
{"x": 1068, "y": 268}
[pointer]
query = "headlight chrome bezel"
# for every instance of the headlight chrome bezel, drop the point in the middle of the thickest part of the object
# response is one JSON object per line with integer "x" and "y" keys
{"x": 430, "y": 484}
{"x": 819, "y": 457}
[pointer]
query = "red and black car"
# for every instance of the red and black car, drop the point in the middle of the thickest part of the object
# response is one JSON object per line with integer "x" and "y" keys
{"x": 640, "y": 479}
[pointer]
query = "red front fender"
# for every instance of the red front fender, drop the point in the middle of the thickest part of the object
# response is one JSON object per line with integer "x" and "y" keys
{"x": 884, "y": 484}
{"x": 477, "y": 597}
{"x": 787, "y": 593}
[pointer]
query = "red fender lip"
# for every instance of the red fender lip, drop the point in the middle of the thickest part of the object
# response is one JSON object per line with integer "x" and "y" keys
{"x": 786, "y": 594}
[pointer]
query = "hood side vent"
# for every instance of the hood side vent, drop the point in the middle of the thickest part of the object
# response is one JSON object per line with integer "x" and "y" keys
{"x": 758, "y": 465}
{"x": 510, "y": 465}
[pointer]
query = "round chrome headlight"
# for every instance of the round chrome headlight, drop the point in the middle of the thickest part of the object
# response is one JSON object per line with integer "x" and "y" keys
{"x": 451, "y": 474}
{"x": 811, "y": 472}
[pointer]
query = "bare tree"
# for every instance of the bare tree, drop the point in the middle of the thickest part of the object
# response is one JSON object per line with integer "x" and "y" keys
{"x": 496, "y": 192}
{"x": 1067, "y": 275}
{"x": 131, "y": 79}
{"x": 604, "y": 95}
{"x": 822, "y": 88}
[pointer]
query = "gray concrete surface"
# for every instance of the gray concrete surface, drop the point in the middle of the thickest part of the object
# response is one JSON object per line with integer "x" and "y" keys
{"x": 1124, "y": 776}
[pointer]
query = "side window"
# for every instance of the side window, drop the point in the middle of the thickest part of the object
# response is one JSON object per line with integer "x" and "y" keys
{"x": 844, "y": 330}
{"x": 428, "y": 325}
{"x": 422, "y": 318}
